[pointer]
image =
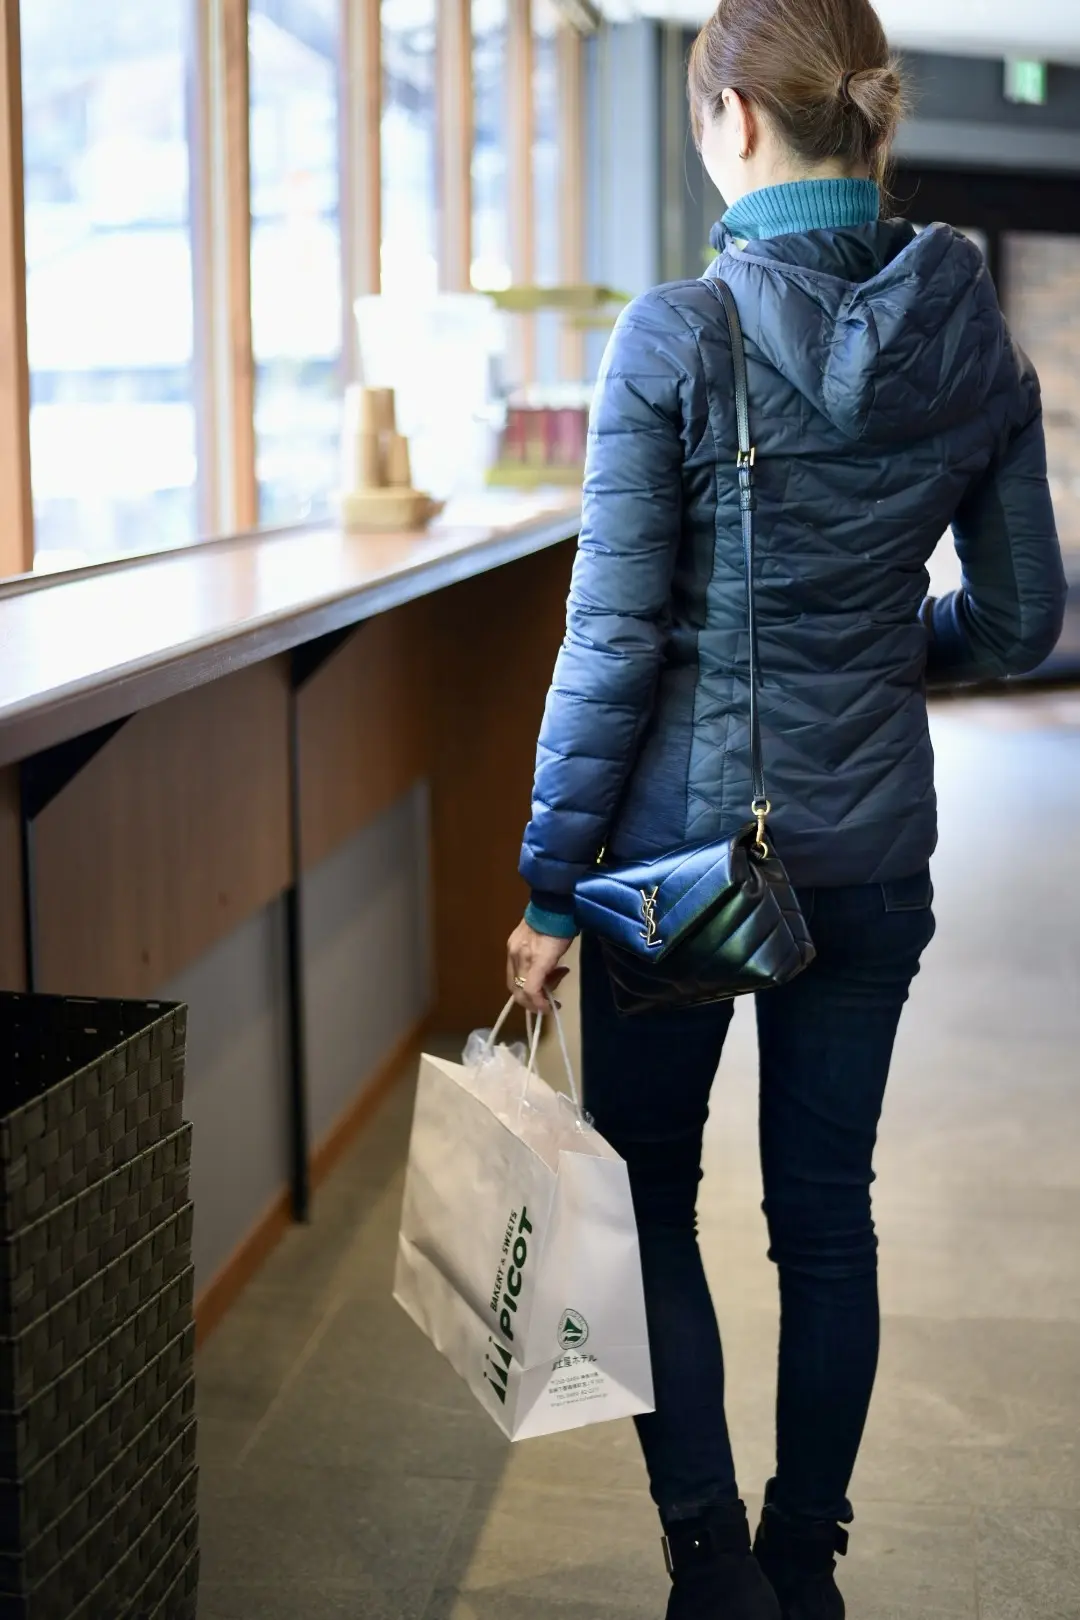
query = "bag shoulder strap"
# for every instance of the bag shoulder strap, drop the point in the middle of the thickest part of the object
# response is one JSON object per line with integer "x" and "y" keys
{"x": 744, "y": 464}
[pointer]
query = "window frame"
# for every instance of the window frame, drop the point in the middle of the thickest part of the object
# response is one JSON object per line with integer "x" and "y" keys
{"x": 16, "y": 492}
{"x": 221, "y": 217}
{"x": 454, "y": 125}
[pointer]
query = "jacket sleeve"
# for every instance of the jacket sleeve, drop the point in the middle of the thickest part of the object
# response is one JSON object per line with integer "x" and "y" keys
{"x": 619, "y": 609}
{"x": 1007, "y": 615}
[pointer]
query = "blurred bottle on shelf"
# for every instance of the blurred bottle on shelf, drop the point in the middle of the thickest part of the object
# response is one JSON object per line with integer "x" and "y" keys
{"x": 545, "y": 436}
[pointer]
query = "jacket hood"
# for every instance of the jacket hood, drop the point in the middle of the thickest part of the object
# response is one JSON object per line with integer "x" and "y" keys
{"x": 892, "y": 334}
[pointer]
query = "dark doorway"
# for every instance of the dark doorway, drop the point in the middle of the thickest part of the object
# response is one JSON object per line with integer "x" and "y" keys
{"x": 993, "y": 202}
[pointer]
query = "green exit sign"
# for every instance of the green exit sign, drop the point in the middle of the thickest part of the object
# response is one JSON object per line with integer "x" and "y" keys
{"x": 1025, "y": 82}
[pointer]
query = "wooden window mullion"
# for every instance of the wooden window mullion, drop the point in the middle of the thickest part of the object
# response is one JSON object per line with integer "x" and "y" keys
{"x": 16, "y": 496}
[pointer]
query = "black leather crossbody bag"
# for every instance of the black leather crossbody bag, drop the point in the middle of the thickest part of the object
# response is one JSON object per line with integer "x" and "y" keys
{"x": 709, "y": 921}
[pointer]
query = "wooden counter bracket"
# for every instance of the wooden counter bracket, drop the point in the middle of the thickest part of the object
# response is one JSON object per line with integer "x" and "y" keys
{"x": 42, "y": 777}
{"x": 305, "y": 661}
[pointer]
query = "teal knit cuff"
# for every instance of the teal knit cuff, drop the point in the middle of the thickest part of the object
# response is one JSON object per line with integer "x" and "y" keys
{"x": 559, "y": 924}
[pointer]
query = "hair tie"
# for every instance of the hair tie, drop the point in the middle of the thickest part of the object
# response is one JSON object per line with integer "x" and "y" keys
{"x": 845, "y": 87}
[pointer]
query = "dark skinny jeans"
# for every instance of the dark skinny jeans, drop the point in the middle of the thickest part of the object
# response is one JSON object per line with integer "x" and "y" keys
{"x": 825, "y": 1042}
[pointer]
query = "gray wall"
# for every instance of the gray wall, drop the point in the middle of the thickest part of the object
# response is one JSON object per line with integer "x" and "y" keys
{"x": 623, "y": 108}
{"x": 959, "y": 115}
{"x": 688, "y": 202}
{"x": 367, "y": 944}
{"x": 972, "y": 89}
{"x": 235, "y": 1083}
{"x": 369, "y": 981}
{"x": 624, "y": 207}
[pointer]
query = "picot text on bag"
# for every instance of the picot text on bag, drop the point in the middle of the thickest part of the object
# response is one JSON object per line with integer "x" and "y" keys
{"x": 509, "y": 1281}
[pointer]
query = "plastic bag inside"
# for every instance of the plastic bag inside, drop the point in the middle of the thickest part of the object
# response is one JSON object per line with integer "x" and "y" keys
{"x": 504, "y": 1075}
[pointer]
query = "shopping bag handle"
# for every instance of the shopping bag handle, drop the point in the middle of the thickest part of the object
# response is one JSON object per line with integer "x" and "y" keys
{"x": 500, "y": 1021}
{"x": 563, "y": 1048}
{"x": 534, "y": 1027}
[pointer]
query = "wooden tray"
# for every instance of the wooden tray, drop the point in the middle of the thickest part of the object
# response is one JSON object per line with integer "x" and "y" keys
{"x": 387, "y": 509}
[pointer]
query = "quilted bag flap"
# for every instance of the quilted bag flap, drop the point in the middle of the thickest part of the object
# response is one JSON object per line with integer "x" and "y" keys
{"x": 648, "y": 906}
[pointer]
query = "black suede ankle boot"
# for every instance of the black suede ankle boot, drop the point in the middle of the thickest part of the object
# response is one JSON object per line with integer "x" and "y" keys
{"x": 799, "y": 1558}
{"x": 713, "y": 1571}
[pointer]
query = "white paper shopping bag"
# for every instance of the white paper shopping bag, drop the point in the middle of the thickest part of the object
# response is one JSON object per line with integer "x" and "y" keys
{"x": 518, "y": 1252}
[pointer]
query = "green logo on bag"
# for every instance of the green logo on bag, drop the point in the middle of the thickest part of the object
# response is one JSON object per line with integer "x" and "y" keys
{"x": 499, "y": 1364}
{"x": 510, "y": 1277}
{"x": 504, "y": 1300}
{"x": 573, "y": 1330}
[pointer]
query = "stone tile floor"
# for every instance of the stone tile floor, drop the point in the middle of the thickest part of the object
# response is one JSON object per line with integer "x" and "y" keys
{"x": 347, "y": 1474}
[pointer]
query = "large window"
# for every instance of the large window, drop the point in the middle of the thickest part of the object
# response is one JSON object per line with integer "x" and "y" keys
{"x": 491, "y": 232}
{"x": 296, "y": 290}
{"x": 409, "y": 191}
{"x": 109, "y": 283}
{"x": 137, "y": 196}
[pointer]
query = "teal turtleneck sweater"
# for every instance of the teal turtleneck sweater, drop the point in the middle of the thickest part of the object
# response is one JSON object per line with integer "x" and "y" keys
{"x": 803, "y": 205}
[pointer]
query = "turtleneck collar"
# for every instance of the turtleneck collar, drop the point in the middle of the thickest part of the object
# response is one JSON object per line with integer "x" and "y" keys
{"x": 803, "y": 205}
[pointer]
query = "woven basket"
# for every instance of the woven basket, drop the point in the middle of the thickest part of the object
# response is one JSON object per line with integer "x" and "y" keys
{"x": 157, "y": 1405}
{"x": 111, "y": 1514}
{"x": 41, "y": 1265}
{"x": 136, "y": 1582}
{"x": 181, "y": 1601}
{"x": 136, "y": 1589}
{"x": 97, "y": 1433}
{"x": 89, "y": 1085}
{"x": 41, "y": 1353}
{"x": 35, "y": 1430}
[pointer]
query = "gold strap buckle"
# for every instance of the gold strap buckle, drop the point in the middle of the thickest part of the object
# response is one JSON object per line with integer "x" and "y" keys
{"x": 746, "y": 458}
{"x": 761, "y": 808}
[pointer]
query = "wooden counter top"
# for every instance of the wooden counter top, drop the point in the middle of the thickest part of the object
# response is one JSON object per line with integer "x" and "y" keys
{"x": 78, "y": 651}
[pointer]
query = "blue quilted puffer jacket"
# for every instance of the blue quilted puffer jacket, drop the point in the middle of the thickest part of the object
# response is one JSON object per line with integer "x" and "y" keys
{"x": 888, "y": 401}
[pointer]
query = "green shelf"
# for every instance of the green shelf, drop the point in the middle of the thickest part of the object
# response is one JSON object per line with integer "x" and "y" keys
{"x": 512, "y": 475}
{"x": 587, "y": 299}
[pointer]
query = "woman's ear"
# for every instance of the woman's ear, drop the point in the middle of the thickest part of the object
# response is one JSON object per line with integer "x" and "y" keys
{"x": 744, "y": 124}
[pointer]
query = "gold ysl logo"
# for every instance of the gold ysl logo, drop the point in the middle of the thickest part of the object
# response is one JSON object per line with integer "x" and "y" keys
{"x": 648, "y": 912}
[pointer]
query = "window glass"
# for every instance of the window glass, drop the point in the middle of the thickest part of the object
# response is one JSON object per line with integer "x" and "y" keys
{"x": 296, "y": 288}
{"x": 545, "y": 167}
{"x": 545, "y": 150}
{"x": 409, "y": 193}
{"x": 109, "y": 277}
{"x": 491, "y": 245}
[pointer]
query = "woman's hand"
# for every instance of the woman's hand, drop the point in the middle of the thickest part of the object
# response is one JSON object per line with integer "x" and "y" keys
{"x": 534, "y": 958}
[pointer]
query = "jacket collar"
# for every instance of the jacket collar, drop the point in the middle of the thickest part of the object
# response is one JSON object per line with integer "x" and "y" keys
{"x": 852, "y": 253}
